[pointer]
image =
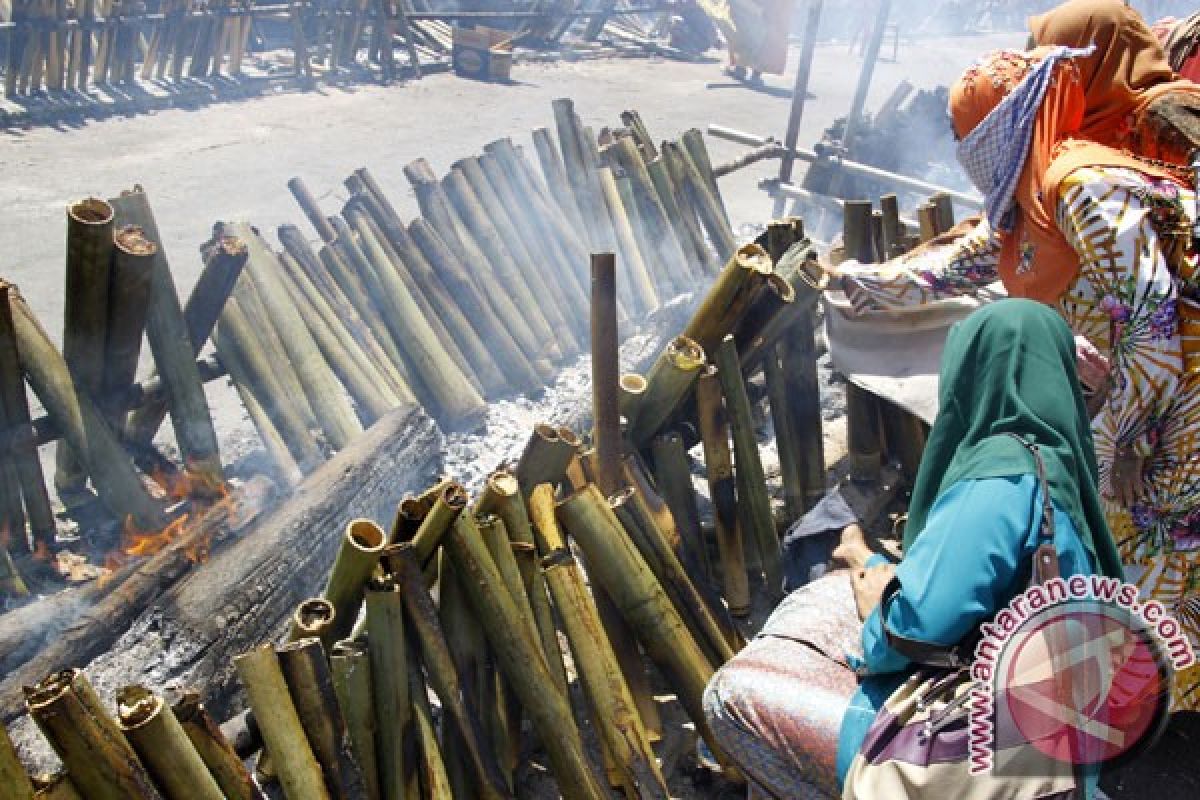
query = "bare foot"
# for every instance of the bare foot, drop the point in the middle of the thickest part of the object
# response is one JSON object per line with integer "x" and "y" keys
{"x": 853, "y": 549}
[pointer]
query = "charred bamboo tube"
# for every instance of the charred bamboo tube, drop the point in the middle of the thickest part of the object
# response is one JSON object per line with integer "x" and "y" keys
{"x": 687, "y": 227}
{"x": 167, "y": 333}
{"x": 224, "y": 259}
{"x": 502, "y": 346}
{"x": 693, "y": 143}
{"x": 163, "y": 746}
{"x": 616, "y": 564}
{"x": 282, "y": 733}
{"x": 669, "y": 382}
{"x": 673, "y": 474}
{"x": 362, "y": 544}
{"x": 856, "y": 231}
{"x": 214, "y": 750}
{"x": 521, "y": 662}
{"x": 736, "y": 287}
{"x": 15, "y": 404}
{"x": 92, "y": 748}
{"x": 863, "y": 434}
{"x": 14, "y": 780}
{"x": 129, "y": 293}
{"x": 641, "y": 283}
{"x": 786, "y": 440}
{"x": 893, "y": 230}
{"x": 389, "y": 679}
{"x": 544, "y": 459}
{"x": 654, "y": 215}
{"x": 435, "y": 782}
{"x": 556, "y": 178}
{"x": 459, "y": 705}
{"x": 319, "y": 385}
{"x": 83, "y": 427}
{"x": 449, "y": 504}
{"x": 605, "y": 367}
{"x": 89, "y": 264}
{"x": 631, "y": 389}
{"x": 708, "y": 209}
{"x": 468, "y": 647}
{"x": 495, "y": 537}
{"x": 774, "y": 300}
{"x": 718, "y": 461}
{"x": 751, "y": 480}
{"x": 350, "y": 665}
{"x": 615, "y": 713}
{"x": 310, "y": 684}
{"x": 526, "y": 554}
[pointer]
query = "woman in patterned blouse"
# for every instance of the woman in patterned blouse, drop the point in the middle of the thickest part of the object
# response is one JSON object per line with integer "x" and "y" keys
{"x": 1104, "y": 237}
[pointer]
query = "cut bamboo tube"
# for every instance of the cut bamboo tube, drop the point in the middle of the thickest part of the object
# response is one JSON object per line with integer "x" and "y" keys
{"x": 583, "y": 181}
{"x": 362, "y": 544}
{"x": 863, "y": 436}
{"x": 83, "y": 427}
{"x": 556, "y": 178}
{"x": 389, "y": 679}
{"x": 14, "y": 402}
{"x": 100, "y": 761}
{"x": 799, "y": 362}
{"x": 468, "y": 648}
{"x": 680, "y": 214}
{"x": 163, "y": 746}
{"x": 615, "y": 563}
{"x": 214, "y": 750}
{"x": 14, "y": 780}
{"x": 458, "y": 705}
{"x": 753, "y": 501}
{"x": 85, "y": 315}
{"x": 526, "y": 554}
{"x": 312, "y": 211}
{"x": 672, "y": 472}
{"x": 893, "y": 229}
{"x": 653, "y": 214}
{"x": 503, "y": 710}
{"x": 786, "y": 441}
{"x": 669, "y": 383}
{"x": 605, "y": 367}
{"x": 614, "y": 711}
{"x": 773, "y": 304}
{"x": 313, "y": 619}
{"x": 927, "y": 219}
{"x": 283, "y": 735}
{"x": 310, "y": 684}
{"x": 718, "y": 461}
{"x": 544, "y": 459}
{"x": 693, "y": 143}
{"x": 738, "y": 283}
{"x": 449, "y": 504}
{"x": 351, "y": 668}
{"x": 856, "y": 231}
{"x": 129, "y": 294}
{"x": 435, "y": 783}
{"x": 631, "y": 389}
{"x": 521, "y": 662}
{"x": 167, "y": 334}
{"x": 640, "y": 281}
{"x": 944, "y": 207}
{"x": 686, "y": 176}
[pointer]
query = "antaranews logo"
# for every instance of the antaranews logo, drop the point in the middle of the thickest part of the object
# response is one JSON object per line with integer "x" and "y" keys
{"x": 1079, "y": 669}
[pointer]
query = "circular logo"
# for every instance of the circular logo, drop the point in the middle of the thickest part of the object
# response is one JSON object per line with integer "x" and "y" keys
{"x": 1085, "y": 683}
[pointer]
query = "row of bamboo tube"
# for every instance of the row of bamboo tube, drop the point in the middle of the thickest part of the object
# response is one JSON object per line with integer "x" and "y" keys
{"x": 483, "y": 295}
{"x": 119, "y": 289}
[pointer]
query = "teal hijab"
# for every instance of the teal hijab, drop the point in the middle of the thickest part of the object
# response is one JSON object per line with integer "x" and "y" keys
{"x": 1010, "y": 368}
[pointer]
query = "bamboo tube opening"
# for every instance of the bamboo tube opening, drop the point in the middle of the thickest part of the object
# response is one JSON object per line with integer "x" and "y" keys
{"x": 365, "y": 535}
{"x": 49, "y": 689}
{"x": 633, "y": 383}
{"x": 132, "y": 239}
{"x": 503, "y": 483}
{"x": 90, "y": 211}
{"x": 569, "y": 437}
{"x": 455, "y": 496}
{"x": 414, "y": 509}
{"x": 546, "y": 432}
{"x": 136, "y": 706}
{"x": 782, "y": 288}
{"x": 686, "y": 353}
{"x": 313, "y": 616}
{"x": 349, "y": 647}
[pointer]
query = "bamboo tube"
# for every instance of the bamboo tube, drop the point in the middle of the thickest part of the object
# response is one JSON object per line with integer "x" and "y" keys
{"x": 435, "y": 783}
{"x": 495, "y": 537}
{"x": 468, "y": 649}
{"x": 113, "y": 475}
{"x": 653, "y": 214}
{"x": 631, "y": 390}
{"x": 927, "y": 219}
{"x": 449, "y": 504}
{"x": 791, "y": 474}
{"x": 351, "y": 671}
{"x": 389, "y": 679}
{"x": 605, "y": 367}
{"x": 362, "y": 544}
{"x": 544, "y": 459}
{"x": 129, "y": 293}
{"x": 526, "y": 554}
{"x": 277, "y": 719}
{"x": 774, "y": 300}
{"x": 944, "y": 207}
{"x": 214, "y": 750}
{"x": 100, "y": 761}
{"x": 167, "y": 333}
{"x": 672, "y": 472}
{"x": 556, "y": 178}
{"x": 893, "y": 230}
{"x": 310, "y": 684}
{"x": 680, "y": 214}
{"x": 85, "y": 315}
{"x": 583, "y": 181}
{"x": 520, "y": 660}
{"x": 753, "y": 501}
{"x": 485, "y": 227}
{"x": 15, "y": 405}
{"x": 640, "y": 133}
{"x": 14, "y": 781}
{"x": 730, "y": 296}
{"x": 163, "y": 746}
{"x": 863, "y": 435}
{"x": 615, "y": 564}
{"x": 669, "y": 383}
{"x": 458, "y": 702}
{"x": 312, "y": 211}
{"x": 502, "y": 346}
{"x": 686, "y": 176}
{"x": 502, "y": 712}
{"x": 856, "y": 231}
{"x": 57, "y": 787}
{"x": 641, "y": 283}
{"x": 693, "y": 143}
{"x": 714, "y": 431}
{"x": 614, "y": 711}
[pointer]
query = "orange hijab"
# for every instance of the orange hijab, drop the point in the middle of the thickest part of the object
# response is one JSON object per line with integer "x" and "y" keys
{"x": 1128, "y": 71}
{"x": 1036, "y": 261}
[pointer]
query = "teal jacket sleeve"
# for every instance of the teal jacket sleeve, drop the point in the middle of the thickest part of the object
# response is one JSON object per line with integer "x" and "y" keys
{"x": 963, "y": 568}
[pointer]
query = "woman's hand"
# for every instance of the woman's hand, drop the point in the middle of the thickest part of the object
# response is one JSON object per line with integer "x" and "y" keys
{"x": 1126, "y": 477}
{"x": 868, "y": 585}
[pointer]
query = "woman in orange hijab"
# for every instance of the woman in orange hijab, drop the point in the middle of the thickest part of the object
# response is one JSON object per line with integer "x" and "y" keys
{"x": 1104, "y": 237}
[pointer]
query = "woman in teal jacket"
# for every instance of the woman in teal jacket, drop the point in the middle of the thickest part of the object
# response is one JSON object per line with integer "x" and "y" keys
{"x": 792, "y": 709}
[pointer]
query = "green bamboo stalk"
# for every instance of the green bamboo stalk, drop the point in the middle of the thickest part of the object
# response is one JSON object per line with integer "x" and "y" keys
{"x": 215, "y": 751}
{"x": 583, "y": 182}
{"x": 614, "y": 711}
{"x": 786, "y": 442}
{"x": 283, "y": 735}
{"x": 520, "y": 660}
{"x": 389, "y": 679}
{"x": 685, "y": 173}
{"x": 700, "y": 258}
{"x": 468, "y": 648}
{"x": 14, "y": 781}
{"x": 658, "y": 272}
{"x": 729, "y": 298}
{"x": 556, "y": 178}
{"x": 638, "y": 273}
{"x": 129, "y": 294}
{"x": 435, "y": 783}
{"x": 863, "y": 435}
{"x": 363, "y": 542}
{"x": 668, "y": 384}
{"x": 673, "y": 473}
{"x": 351, "y": 667}
{"x": 163, "y": 746}
{"x": 92, "y": 748}
{"x": 693, "y": 143}
{"x": 495, "y": 538}
{"x": 534, "y": 584}
{"x": 631, "y": 391}
{"x": 544, "y": 459}
{"x": 450, "y": 502}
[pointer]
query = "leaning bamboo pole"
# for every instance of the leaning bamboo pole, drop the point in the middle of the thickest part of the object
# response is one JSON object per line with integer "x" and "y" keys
{"x": 556, "y": 178}
{"x": 735, "y": 288}
{"x": 131, "y": 272}
{"x": 653, "y": 213}
{"x": 668, "y": 384}
{"x": 351, "y": 670}
{"x": 389, "y": 669}
{"x": 431, "y": 766}
{"x": 672, "y": 473}
{"x": 362, "y": 544}
{"x": 163, "y": 746}
{"x": 214, "y": 749}
{"x": 638, "y": 273}
{"x": 14, "y": 780}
